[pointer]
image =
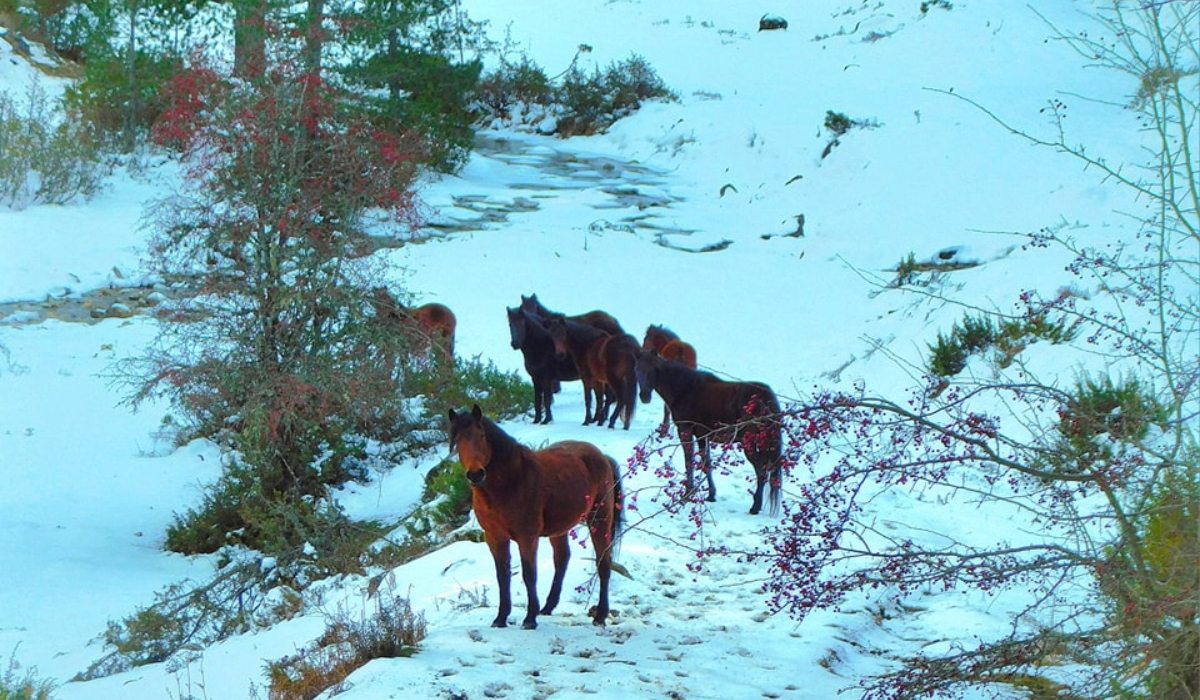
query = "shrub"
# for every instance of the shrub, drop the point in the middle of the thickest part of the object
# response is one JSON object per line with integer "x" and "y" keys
{"x": 591, "y": 103}
{"x": 122, "y": 106}
{"x": 582, "y": 103}
{"x": 1100, "y": 413}
{"x": 837, "y": 123}
{"x": 512, "y": 86}
{"x": 247, "y": 592}
{"x": 391, "y": 630}
{"x": 45, "y": 156}
{"x": 16, "y": 684}
{"x": 311, "y": 534}
{"x": 506, "y": 394}
{"x": 449, "y": 495}
{"x": 947, "y": 357}
{"x": 979, "y": 333}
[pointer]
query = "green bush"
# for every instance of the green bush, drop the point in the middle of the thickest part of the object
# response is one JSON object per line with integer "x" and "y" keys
{"x": 594, "y": 102}
{"x": 513, "y": 85}
{"x": 449, "y": 494}
{"x": 1124, "y": 412}
{"x": 312, "y": 534}
{"x": 837, "y": 123}
{"x": 46, "y": 156}
{"x": 978, "y": 334}
{"x": 120, "y": 106}
{"x": 947, "y": 357}
{"x": 506, "y": 395}
{"x": 582, "y": 102}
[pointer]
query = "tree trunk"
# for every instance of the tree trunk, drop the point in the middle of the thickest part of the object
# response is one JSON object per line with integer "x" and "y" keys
{"x": 249, "y": 38}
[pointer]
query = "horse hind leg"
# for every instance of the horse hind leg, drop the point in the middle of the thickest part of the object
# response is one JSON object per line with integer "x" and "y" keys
{"x": 602, "y": 531}
{"x": 706, "y": 465}
{"x": 562, "y": 555}
{"x": 765, "y": 470}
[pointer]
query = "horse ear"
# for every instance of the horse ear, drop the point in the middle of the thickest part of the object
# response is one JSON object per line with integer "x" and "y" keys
{"x": 452, "y": 415}
{"x": 477, "y": 412}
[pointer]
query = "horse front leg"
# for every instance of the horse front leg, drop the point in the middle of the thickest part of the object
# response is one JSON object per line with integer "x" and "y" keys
{"x": 538, "y": 390}
{"x": 562, "y": 555}
{"x": 588, "y": 390}
{"x": 528, "y": 549}
{"x": 503, "y": 561}
{"x": 543, "y": 397}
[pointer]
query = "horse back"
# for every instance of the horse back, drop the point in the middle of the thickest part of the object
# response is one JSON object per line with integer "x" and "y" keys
{"x": 436, "y": 316}
{"x": 679, "y": 351}
{"x": 575, "y": 478}
{"x": 618, "y": 357}
{"x": 713, "y": 404}
{"x": 602, "y": 320}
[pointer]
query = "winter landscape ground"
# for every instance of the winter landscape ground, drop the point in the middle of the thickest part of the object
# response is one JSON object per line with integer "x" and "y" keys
{"x": 610, "y": 221}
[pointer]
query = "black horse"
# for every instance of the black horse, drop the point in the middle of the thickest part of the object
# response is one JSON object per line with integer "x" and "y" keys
{"x": 707, "y": 409}
{"x": 545, "y": 367}
{"x": 599, "y": 319}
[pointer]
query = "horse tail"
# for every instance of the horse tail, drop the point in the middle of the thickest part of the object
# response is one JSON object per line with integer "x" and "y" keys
{"x": 618, "y": 518}
{"x": 775, "y": 473}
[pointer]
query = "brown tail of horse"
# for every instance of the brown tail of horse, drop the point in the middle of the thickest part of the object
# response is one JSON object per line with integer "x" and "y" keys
{"x": 618, "y": 519}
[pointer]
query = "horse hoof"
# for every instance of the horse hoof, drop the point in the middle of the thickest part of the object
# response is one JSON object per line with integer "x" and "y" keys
{"x": 499, "y": 623}
{"x": 529, "y": 625}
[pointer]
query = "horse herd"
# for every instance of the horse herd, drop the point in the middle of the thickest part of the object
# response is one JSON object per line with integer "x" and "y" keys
{"x": 520, "y": 494}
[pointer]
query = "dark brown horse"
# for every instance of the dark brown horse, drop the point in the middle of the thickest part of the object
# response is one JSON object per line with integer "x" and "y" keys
{"x": 426, "y": 326}
{"x": 668, "y": 345}
{"x": 522, "y": 495}
{"x": 546, "y": 368}
{"x": 606, "y": 368}
{"x": 709, "y": 409}
{"x": 599, "y": 319}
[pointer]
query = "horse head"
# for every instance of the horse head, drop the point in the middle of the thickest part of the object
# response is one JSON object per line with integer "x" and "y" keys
{"x": 468, "y": 438}
{"x": 556, "y": 327}
{"x": 646, "y": 369}
{"x": 516, "y": 327}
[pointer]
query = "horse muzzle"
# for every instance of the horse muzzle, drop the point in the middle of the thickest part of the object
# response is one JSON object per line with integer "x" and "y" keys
{"x": 477, "y": 476}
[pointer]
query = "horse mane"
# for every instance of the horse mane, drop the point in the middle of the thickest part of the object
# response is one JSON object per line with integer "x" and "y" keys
{"x": 670, "y": 334}
{"x": 503, "y": 445}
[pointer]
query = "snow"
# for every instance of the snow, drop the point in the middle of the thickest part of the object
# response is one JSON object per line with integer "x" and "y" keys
{"x": 89, "y": 489}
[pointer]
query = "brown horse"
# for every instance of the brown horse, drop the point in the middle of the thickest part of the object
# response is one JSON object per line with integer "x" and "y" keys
{"x": 606, "y": 368}
{"x": 426, "y": 326}
{"x": 522, "y": 494}
{"x": 668, "y": 345}
{"x": 599, "y": 319}
{"x": 709, "y": 409}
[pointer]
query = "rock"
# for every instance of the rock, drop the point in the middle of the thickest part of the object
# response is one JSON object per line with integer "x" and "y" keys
{"x": 769, "y": 21}
{"x": 119, "y": 310}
